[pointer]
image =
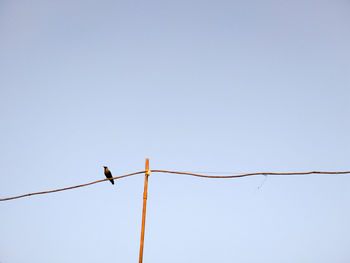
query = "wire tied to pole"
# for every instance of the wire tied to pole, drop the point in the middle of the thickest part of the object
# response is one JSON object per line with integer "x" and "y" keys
{"x": 147, "y": 171}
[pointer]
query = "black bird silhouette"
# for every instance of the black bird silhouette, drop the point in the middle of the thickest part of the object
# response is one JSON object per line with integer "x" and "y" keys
{"x": 108, "y": 174}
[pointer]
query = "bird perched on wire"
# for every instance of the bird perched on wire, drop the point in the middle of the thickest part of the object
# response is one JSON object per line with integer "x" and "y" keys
{"x": 108, "y": 174}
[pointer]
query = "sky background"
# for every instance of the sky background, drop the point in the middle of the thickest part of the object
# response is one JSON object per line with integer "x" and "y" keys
{"x": 201, "y": 86}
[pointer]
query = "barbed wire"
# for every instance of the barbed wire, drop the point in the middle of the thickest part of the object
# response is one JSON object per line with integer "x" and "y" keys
{"x": 172, "y": 172}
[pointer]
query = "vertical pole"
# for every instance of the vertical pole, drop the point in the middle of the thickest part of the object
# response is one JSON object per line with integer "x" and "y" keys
{"x": 147, "y": 173}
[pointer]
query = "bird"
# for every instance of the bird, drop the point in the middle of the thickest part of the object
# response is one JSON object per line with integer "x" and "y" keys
{"x": 108, "y": 174}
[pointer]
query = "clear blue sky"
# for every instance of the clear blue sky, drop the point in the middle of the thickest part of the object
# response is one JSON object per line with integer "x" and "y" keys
{"x": 239, "y": 86}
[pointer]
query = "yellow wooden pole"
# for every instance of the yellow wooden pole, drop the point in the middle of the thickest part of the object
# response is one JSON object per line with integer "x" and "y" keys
{"x": 147, "y": 173}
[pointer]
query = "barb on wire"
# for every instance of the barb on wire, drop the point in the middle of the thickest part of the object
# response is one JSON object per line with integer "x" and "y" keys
{"x": 171, "y": 172}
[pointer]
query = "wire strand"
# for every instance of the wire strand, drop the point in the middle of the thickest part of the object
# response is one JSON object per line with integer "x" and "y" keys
{"x": 247, "y": 174}
{"x": 70, "y": 187}
{"x": 170, "y": 172}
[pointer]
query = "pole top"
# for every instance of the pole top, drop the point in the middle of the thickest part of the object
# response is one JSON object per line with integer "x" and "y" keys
{"x": 148, "y": 172}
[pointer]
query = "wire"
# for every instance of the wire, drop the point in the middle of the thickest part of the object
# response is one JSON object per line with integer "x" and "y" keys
{"x": 171, "y": 172}
{"x": 68, "y": 188}
{"x": 248, "y": 174}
